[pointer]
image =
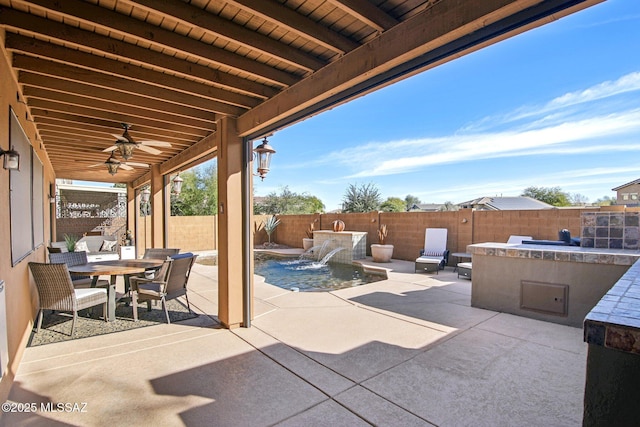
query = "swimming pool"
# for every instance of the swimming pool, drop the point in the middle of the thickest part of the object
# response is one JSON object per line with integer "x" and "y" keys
{"x": 310, "y": 276}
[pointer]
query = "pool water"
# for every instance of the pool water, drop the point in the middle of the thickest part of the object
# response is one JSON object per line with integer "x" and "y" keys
{"x": 310, "y": 276}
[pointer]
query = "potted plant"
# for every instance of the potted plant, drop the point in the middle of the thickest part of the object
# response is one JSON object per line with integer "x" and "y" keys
{"x": 307, "y": 242}
{"x": 382, "y": 252}
{"x": 70, "y": 242}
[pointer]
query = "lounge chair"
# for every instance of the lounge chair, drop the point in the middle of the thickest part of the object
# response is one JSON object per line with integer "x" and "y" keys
{"x": 56, "y": 292}
{"x": 435, "y": 255}
{"x": 465, "y": 268}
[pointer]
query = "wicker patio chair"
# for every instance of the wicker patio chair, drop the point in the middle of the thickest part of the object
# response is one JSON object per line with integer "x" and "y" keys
{"x": 159, "y": 253}
{"x": 169, "y": 283}
{"x": 56, "y": 292}
{"x": 75, "y": 258}
{"x": 144, "y": 289}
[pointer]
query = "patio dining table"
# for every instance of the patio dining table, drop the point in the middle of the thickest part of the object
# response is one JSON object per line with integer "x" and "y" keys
{"x": 113, "y": 268}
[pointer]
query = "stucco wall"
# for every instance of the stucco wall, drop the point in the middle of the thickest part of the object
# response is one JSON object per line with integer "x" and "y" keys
{"x": 20, "y": 294}
{"x": 497, "y": 282}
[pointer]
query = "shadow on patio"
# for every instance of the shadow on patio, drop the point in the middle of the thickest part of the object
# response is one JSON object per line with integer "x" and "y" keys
{"x": 405, "y": 351}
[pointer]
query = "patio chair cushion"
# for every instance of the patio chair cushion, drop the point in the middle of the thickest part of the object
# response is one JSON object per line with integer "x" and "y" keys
{"x": 81, "y": 247}
{"x": 464, "y": 269}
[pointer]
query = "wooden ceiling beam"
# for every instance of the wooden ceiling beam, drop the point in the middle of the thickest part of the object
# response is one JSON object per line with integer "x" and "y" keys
{"x": 305, "y": 27}
{"x": 366, "y": 12}
{"x": 45, "y": 87}
{"x": 190, "y": 104}
{"x": 147, "y": 33}
{"x": 150, "y": 127}
{"x": 234, "y": 33}
{"x": 448, "y": 21}
{"x": 48, "y": 123}
{"x": 42, "y": 27}
{"x": 109, "y": 111}
{"x": 205, "y": 147}
{"x": 22, "y": 44}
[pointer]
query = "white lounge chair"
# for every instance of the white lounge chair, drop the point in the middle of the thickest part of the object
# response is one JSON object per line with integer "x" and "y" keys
{"x": 435, "y": 254}
{"x": 513, "y": 239}
{"x": 465, "y": 268}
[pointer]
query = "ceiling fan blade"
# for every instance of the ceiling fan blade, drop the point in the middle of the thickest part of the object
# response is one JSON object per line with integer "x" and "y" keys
{"x": 126, "y": 167}
{"x": 140, "y": 165}
{"x": 97, "y": 164}
{"x": 120, "y": 137}
{"x": 113, "y": 147}
{"x": 149, "y": 149}
{"x": 155, "y": 143}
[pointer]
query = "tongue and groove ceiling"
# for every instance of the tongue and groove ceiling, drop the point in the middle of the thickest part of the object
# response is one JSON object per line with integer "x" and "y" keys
{"x": 170, "y": 69}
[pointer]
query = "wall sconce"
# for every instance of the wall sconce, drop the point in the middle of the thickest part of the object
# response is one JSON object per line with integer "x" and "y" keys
{"x": 465, "y": 220}
{"x": 264, "y": 152}
{"x": 176, "y": 186}
{"x": 11, "y": 159}
{"x": 52, "y": 193}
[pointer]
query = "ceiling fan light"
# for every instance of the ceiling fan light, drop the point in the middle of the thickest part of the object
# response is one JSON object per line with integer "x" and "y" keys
{"x": 112, "y": 165}
{"x": 126, "y": 149}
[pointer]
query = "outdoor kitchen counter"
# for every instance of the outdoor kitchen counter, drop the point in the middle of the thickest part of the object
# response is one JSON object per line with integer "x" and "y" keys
{"x": 558, "y": 284}
{"x": 557, "y": 253}
{"x": 612, "y": 332}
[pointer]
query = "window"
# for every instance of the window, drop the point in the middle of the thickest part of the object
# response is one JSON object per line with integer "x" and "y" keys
{"x": 625, "y": 196}
{"x": 634, "y": 196}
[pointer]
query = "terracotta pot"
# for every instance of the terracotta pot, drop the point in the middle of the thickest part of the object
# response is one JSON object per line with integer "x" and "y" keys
{"x": 381, "y": 253}
{"x": 338, "y": 225}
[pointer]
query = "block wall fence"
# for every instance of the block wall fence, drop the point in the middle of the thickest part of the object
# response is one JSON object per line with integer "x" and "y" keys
{"x": 405, "y": 229}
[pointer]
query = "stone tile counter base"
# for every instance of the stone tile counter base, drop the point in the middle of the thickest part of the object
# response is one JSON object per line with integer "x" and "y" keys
{"x": 612, "y": 331}
{"x": 354, "y": 244}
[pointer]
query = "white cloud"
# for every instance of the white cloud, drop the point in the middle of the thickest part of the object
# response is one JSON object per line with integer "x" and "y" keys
{"x": 391, "y": 158}
{"x": 549, "y": 111}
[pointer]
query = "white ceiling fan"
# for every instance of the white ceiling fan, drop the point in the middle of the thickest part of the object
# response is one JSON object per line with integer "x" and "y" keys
{"x": 125, "y": 144}
{"x": 113, "y": 164}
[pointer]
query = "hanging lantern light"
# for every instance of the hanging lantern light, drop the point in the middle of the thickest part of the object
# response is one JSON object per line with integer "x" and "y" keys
{"x": 176, "y": 187}
{"x": 264, "y": 152}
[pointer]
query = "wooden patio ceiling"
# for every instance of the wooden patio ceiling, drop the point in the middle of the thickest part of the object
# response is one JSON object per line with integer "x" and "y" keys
{"x": 170, "y": 69}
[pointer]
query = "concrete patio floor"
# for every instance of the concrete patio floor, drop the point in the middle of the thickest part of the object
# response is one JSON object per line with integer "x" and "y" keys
{"x": 406, "y": 351}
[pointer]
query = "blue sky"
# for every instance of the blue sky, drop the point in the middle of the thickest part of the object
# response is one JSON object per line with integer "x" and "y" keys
{"x": 556, "y": 106}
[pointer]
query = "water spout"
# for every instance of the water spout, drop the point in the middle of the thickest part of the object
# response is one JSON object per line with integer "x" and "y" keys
{"x": 329, "y": 255}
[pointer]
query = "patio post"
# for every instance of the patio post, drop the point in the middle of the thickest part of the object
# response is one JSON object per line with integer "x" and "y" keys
{"x": 231, "y": 277}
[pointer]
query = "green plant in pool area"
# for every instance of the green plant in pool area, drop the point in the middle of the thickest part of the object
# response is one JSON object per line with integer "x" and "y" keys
{"x": 70, "y": 242}
{"x": 270, "y": 225}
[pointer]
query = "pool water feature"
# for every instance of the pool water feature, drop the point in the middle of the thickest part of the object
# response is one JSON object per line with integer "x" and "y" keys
{"x": 307, "y": 275}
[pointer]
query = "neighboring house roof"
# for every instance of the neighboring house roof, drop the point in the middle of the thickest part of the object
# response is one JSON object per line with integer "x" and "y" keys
{"x": 634, "y": 182}
{"x": 426, "y": 207}
{"x": 505, "y": 203}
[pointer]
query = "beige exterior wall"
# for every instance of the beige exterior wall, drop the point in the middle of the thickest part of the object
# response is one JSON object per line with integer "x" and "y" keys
{"x": 629, "y": 195}
{"x": 406, "y": 229}
{"x": 20, "y": 293}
